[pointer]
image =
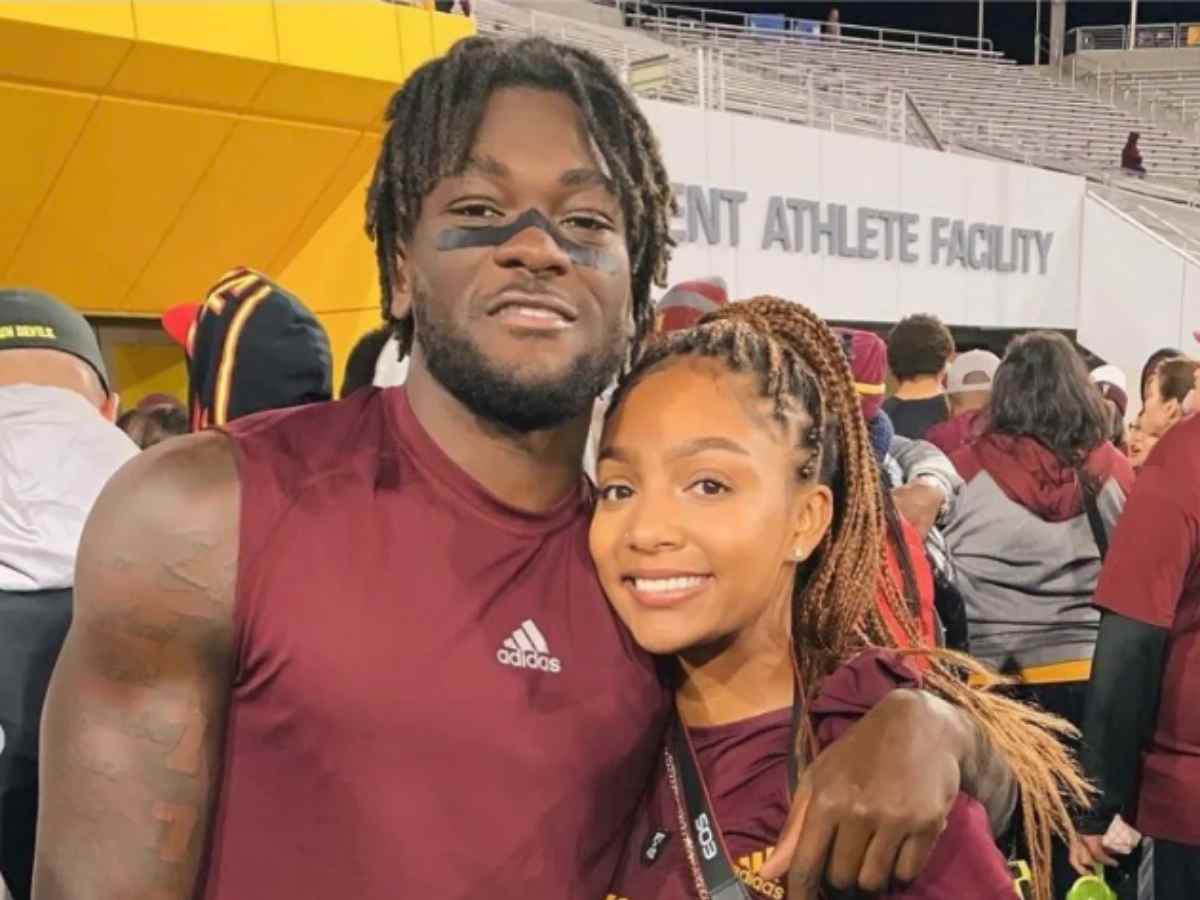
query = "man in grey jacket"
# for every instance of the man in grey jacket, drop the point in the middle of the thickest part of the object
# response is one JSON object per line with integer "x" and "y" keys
{"x": 58, "y": 447}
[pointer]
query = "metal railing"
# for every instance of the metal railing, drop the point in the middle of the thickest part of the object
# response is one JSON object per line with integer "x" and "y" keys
{"x": 918, "y": 130}
{"x": 840, "y": 33}
{"x": 1122, "y": 88}
{"x": 713, "y": 78}
{"x": 1163, "y": 36}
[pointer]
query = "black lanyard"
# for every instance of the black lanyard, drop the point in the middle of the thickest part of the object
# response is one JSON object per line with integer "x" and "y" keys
{"x": 711, "y": 856}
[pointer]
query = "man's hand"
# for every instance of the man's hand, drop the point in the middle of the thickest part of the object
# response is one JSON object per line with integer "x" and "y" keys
{"x": 870, "y": 808}
{"x": 920, "y": 503}
{"x": 1088, "y": 851}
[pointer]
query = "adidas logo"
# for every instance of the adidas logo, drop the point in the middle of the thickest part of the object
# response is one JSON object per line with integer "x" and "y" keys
{"x": 747, "y": 869}
{"x": 753, "y": 862}
{"x": 527, "y": 649}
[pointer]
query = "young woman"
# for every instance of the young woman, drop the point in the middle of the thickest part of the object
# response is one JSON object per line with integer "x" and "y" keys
{"x": 1043, "y": 489}
{"x": 740, "y": 528}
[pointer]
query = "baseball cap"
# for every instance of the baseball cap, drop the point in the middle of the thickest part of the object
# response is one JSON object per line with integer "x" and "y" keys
{"x": 1113, "y": 385}
{"x": 1110, "y": 374}
{"x": 251, "y": 346}
{"x": 868, "y": 357}
{"x": 688, "y": 302}
{"x": 31, "y": 320}
{"x": 972, "y": 371}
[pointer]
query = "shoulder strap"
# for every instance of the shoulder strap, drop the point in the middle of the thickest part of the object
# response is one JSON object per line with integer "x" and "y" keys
{"x": 1092, "y": 508}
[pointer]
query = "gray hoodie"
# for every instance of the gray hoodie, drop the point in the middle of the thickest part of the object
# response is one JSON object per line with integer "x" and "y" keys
{"x": 56, "y": 453}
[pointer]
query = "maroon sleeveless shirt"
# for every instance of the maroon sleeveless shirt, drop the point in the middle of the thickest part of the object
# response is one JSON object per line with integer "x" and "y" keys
{"x": 432, "y": 696}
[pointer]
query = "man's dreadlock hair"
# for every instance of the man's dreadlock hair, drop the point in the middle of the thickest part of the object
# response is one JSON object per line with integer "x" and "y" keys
{"x": 802, "y": 368}
{"x": 434, "y": 118}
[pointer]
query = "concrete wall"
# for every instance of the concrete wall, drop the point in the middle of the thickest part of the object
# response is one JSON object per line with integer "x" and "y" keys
{"x": 1133, "y": 60}
{"x": 1137, "y": 294}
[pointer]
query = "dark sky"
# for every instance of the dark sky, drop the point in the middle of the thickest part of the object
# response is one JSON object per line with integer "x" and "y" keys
{"x": 1009, "y": 23}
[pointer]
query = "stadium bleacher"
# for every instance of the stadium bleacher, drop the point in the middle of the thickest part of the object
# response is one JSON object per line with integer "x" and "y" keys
{"x": 980, "y": 100}
{"x": 1172, "y": 90}
{"x": 660, "y": 70}
{"x": 974, "y": 100}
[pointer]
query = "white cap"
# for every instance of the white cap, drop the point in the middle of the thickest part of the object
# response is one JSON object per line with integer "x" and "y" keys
{"x": 977, "y": 365}
{"x": 1109, "y": 374}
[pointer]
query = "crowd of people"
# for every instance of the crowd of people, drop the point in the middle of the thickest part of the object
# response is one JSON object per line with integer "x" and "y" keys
{"x": 577, "y": 594}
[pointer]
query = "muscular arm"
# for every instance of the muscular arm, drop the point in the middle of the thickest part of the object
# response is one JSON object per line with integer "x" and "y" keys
{"x": 985, "y": 774}
{"x": 871, "y": 806}
{"x": 132, "y": 729}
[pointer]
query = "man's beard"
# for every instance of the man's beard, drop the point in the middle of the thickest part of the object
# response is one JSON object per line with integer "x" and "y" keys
{"x": 500, "y": 397}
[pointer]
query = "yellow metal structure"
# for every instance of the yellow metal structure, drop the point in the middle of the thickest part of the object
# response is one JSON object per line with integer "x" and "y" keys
{"x": 151, "y": 145}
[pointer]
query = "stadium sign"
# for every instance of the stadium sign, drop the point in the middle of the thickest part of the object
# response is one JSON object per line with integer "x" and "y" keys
{"x": 798, "y": 225}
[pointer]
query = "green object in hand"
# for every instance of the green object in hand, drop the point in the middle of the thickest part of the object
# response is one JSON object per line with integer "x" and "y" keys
{"x": 1092, "y": 887}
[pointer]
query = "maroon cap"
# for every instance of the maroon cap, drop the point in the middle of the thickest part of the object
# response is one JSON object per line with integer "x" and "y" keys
{"x": 1110, "y": 391}
{"x": 689, "y": 301}
{"x": 869, "y": 362}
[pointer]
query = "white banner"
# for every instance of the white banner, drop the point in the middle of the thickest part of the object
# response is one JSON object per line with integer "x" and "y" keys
{"x": 868, "y": 230}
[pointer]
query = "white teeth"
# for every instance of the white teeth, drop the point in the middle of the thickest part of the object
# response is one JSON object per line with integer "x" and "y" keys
{"x": 666, "y": 585}
{"x": 536, "y": 312}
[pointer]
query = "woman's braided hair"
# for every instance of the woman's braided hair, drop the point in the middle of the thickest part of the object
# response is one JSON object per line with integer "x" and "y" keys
{"x": 434, "y": 118}
{"x": 803, "y": 370}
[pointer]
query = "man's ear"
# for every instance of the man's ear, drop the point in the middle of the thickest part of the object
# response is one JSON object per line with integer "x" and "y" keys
{"x": 813, "y": 516}
{"x": 1174, "y": 410}
{"x": 400, "y": 303}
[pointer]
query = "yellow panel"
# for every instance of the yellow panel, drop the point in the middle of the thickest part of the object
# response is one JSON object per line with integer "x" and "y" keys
{"x": 131, "y": 172}
{"x": 347, "y": 186}
{"x": 110, "y": 17}
{"x": 324, "y": 97}
{"x": 266, "y": 177}
{"x": 344, "y": 330}
{"x": 203, "y": 53}
{"x": 244, "y": 29}
{"x": 336, "y": 270}
{"x": 41, "y": 126}
{"x": 57, "y": 56}
{"x": 142, "y": 369}
{"x": 158, "y": 72}
{"x": 448, "y": 30}
{"x": 354, "y": 37}
{"x": 415, "y": 27}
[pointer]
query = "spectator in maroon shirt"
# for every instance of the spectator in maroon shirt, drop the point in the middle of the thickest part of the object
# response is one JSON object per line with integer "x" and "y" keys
{"x": 1131, "y": 156}
{"x": 1141, "y": 733}
{"x": 740, "y": 503}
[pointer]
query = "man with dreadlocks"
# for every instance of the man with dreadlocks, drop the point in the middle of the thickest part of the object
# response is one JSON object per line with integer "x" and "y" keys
{"x": 377, "y": 663}
{"x": 740, "y": 505}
